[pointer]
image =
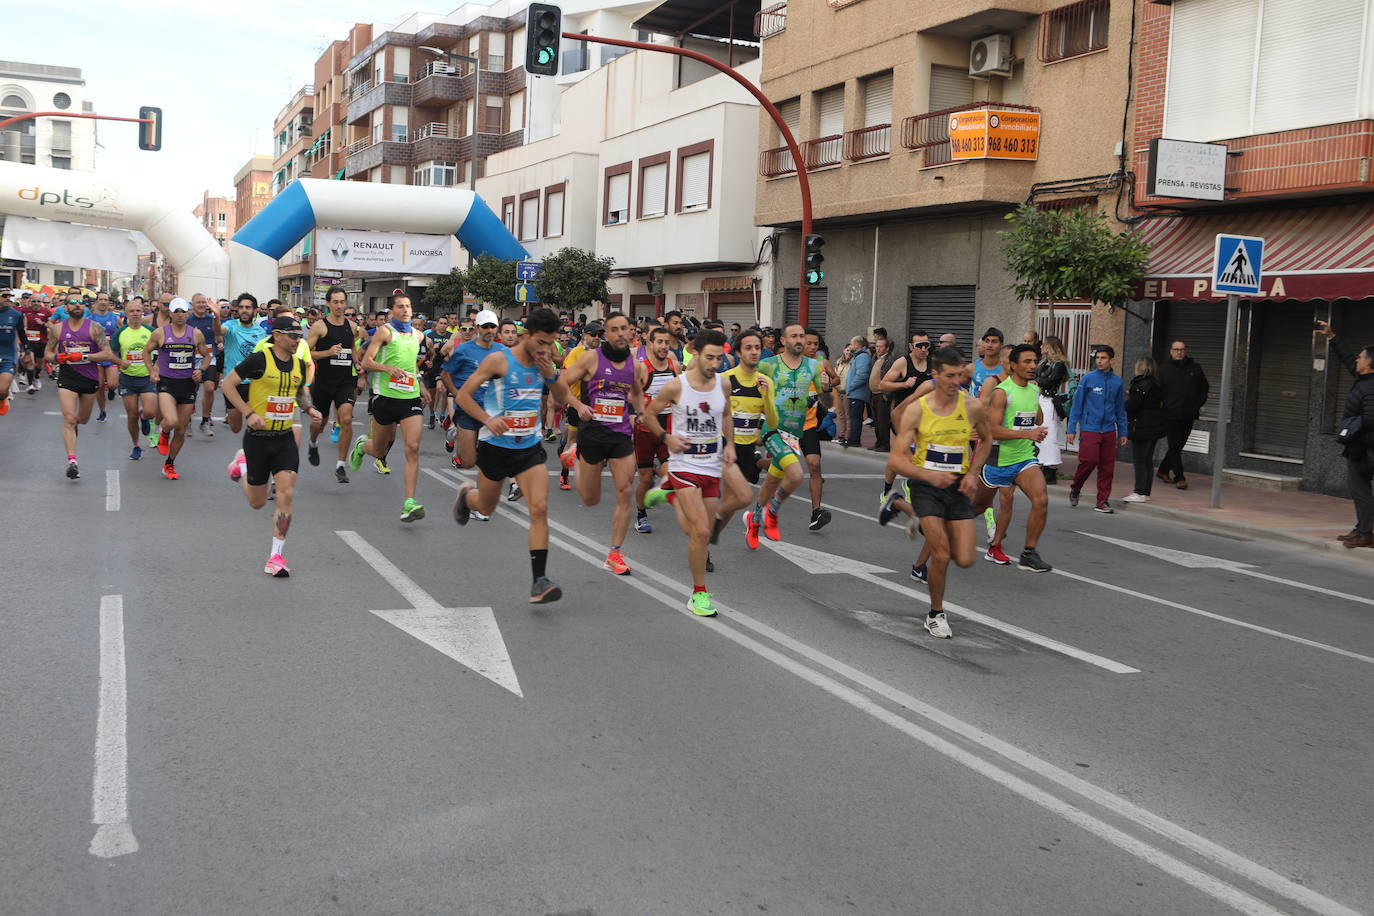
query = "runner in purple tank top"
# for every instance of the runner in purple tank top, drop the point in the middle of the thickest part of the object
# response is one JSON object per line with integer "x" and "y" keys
{"x": 606, "y": 435}
{"x": 181, "y": 355}
{"x": 76, "y": 344}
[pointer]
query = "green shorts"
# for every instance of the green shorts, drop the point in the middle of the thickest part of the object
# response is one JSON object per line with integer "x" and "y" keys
{"x": 785, "y": 451}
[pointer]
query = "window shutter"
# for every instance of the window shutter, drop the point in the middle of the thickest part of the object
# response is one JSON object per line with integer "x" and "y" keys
{"x": 696, "y": 181}
{"x": 950, "y": 87}
{"x": 1209, "y": 76}
{"x": 655, "y": 189}
{"x": 529, "y": 219}
{"x": 1292, "y": 88}
{"x": 618, "y": 197}
{"x": 878, "y": 100}
{"x": 791, "y": 115}
{"x": 832, "y": 112}
{"x": 554, "y": 205}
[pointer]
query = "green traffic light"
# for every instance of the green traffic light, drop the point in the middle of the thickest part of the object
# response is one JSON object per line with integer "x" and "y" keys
{"x": 546, "y": 55}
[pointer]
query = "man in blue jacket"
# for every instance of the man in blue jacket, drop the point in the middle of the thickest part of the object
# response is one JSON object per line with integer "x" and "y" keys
{"x": 1099, "y": 409}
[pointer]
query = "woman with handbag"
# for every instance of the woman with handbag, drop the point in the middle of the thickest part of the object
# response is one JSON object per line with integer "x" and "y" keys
{"x": 1050, "y": 378}
{"x": 1147, "y": 420}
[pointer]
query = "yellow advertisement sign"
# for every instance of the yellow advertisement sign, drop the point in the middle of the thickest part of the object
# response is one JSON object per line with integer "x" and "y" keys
{"x": 994, "y": 134}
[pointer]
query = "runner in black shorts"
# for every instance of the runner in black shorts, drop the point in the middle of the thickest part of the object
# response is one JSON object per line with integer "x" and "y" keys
{"x": 334, "y": 340}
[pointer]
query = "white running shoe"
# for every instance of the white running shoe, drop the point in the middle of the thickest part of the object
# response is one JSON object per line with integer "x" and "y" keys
{"x": 938, "y": 626}
{"x": 1135, "y": 498}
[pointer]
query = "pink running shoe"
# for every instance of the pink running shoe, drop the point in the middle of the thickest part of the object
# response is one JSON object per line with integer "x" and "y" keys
{"x": 276, "y": 567}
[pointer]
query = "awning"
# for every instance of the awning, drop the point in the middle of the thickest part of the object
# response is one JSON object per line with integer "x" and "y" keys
{"x": 711, "y": 18}
{"x": 726, "y": 284}
{"x": 1312, "y": 253}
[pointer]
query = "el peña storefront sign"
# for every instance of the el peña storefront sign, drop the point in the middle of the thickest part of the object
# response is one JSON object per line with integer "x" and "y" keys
{"x": 1302, "y": 287}
{"x": 346, "y": 249}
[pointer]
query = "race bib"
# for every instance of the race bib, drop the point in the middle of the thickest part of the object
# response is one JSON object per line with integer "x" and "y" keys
{"x": 135, "y": 357}
{"x": 280, "y": 409}
{"x": 521, "y": 422}
{"x": 747, "y": 422}
{"x": 702, "y": 446}
{"x": 405, "y": 383}
{"x": 178, "y": 359}
{"x": 32, "y": 335}
{"x": 608, "y": 410}
{"x": 344, "y": 358}
{"x": 946, "y": 458}
{"x": 1023, "y": 419}
{"x": 79, "y": 350}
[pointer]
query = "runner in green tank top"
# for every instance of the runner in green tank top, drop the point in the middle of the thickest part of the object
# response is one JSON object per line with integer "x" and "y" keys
{"x": 1016, "y": 404}
{"x": 140, "y": 397}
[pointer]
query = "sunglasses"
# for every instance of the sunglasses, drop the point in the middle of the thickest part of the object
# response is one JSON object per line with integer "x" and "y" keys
{"x": 485, "y": 326}
{"x": 922, "y": 346}
{"x": 466, "y": 327}
{"x": 296, "y": 335}
{"x": 350, "y": 314}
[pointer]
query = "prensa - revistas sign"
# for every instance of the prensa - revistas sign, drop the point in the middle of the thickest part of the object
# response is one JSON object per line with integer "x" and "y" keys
{"x": 404, "y": 252}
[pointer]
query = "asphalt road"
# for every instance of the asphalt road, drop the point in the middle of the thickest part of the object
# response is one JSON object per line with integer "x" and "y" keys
{"x": 1124, "y": 735}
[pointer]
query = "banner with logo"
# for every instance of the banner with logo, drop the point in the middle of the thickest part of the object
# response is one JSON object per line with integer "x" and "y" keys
{"x": 43, "y": 241}
{"x": 391, "y": 252}
{"x": 994, "y": 134}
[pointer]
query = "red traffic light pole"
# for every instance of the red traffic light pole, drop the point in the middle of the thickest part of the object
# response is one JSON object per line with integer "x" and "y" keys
{"x": 803, "y": 182}
{"x": 69, "y": 114}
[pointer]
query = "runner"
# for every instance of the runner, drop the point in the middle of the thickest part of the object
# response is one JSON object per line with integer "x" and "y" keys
{"x": 591, "y": 340}
{"x": 461, "y": 359}
{"x": 241, "y": 337}
{"x": 11, "y": 349}
{"x": 655, "y": 370}
{"x": 1016, "y": 422}
{"x": 606, "y": 434}
{"x": 109, "y": 372}
{"x": 276, "y": 381}
{"x": 72, "y": 345}
{"x": 701, "y": 449}
{"x": 798, "y": 382}
{"x": 129, "y": 345}
{"x": 332, "y": 341}
{"x": 172, "y": 352}
{"x": 510, "y": 441}
{"x": 932, "y": 449}
{"x": 36, "y": 315}
{"x": 204, "y": 319}
{"x": 394, "y": 355}
{"x": 753, "y": 410}
{"x": 438, "y": 337}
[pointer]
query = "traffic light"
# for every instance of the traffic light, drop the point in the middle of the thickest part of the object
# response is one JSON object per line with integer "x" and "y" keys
{"x": 815, "y": 276}
{"x": 543, "y": 32}
{"x": 150, "y": 133}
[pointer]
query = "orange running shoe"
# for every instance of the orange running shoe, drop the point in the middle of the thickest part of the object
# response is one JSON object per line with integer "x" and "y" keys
{"x": 615, "y": 562}
{"x": 770, "y": 524}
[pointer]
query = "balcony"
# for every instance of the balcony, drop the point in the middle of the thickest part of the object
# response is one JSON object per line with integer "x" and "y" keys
{"x": 868, "y": 143}
{"x": 929, "y": 133}
{"x": 433, "y": 129}
{"x": 363, "y": 101}
{"x": 823, "y": 152}
{"x": 771, "y": 21}
{"x": 776, "y": 162}
{"x": 366, "y": 154}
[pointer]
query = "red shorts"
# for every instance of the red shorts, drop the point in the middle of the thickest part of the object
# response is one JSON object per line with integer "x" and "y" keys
{"x": 680, "y": 480}
{"x": 647, "y": 448}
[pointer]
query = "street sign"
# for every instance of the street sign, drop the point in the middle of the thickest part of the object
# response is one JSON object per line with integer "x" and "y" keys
{"x": 528, "y": 270}
{"x": 1237, "y": 265}
{"x": 525, "y": 292}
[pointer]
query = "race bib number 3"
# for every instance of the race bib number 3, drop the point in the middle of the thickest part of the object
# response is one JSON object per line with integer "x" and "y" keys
{"x": 946, "y": 458}
{"x": 608, "y": 410}
{"x": 521, "y": 422}
{"x": 405, "y": 383}
{"x": 747, "y": 421}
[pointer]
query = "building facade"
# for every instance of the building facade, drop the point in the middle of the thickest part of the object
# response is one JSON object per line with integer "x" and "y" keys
{"x": 252, "y": 189}
{"x": 218, "y": 215}
{"x": 1296, "y": 154}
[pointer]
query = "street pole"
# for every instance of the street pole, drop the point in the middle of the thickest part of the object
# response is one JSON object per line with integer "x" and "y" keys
{"x": 1224, "y": 407}
{"x": 803, "y": 182}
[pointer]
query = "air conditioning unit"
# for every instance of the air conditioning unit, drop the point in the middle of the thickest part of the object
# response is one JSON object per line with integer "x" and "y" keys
{"x": 990, "y": 56}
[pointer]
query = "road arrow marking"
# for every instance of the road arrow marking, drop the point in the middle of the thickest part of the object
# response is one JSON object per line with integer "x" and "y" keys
{"x": 110, "y": 789}
{"x": 1202, "y": 561}
{"x": 818, "y": 562}
{"x": 468, "y": 635}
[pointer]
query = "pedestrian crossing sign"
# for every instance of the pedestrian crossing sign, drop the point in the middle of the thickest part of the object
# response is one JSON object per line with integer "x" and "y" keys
{"x": 1237, "y": 265}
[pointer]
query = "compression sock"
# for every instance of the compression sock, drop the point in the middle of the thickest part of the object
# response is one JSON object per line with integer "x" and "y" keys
{"x": 539, "y": 561}
{"x": 278, "y": 545}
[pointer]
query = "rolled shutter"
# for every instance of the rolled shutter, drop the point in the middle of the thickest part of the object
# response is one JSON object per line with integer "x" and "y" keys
{"x": 950, "y": 87}
{"x": 730, "y": 312}
{"x": 832, "y": 112}
{"x": 529, "y": 219}
{"x": 791, "y": 115}
{"x": 655, "y": 189}
{"x": 618, "y": 198}
{"x": 942, "y": 310}
{"x": 1211, "y": 65}
{"x": 1202, "y": 326}
{"x": 878, "y": 100}
{"x": 791, "y": 307}
{"x": 1283, "y": 379}
{"x": 696, "y": 181}
{"x": 553, "y": 204}
{"x": 1290, "y": 91}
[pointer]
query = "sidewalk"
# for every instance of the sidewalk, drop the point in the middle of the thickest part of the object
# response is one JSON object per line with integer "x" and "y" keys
{"x": 1310, "y": 519}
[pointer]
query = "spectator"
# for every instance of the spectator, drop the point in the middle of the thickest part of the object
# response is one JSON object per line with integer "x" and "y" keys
{"x": 1099, "y": 408}
{"x": 1185, "y": 391}
{"x": 880, "y": 405}
{"x": 1148, "y": 422}
{"x": 1357, "y": 421}
{"x": 858, "y": 364}
{"x": 1032, "y": 339}
{"x": 906, "y": 374}
{"x": 1050, "y": 378}
{"x": 948, "y": 340}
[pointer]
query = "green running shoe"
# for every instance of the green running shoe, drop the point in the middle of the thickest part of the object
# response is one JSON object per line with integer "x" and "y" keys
{"x": 381, "y": 466}
{"x": 412, "y": 511}
{"x": 655, "y": 496}
{"x": 701, "y": 604}
{"x": 355, "y": 457}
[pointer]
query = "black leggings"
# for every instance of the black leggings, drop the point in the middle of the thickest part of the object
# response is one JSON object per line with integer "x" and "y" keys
{"x": 1143, "y": 453}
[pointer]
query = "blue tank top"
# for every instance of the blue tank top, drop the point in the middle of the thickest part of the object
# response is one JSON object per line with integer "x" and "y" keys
{"x": 981, "y": 374}
{"x": 514, "y": 397}
{"x": 206, "y": 326}
{"x": 109, "y": 322}
{"x": 239, "y": 341}
{"x": 11, "y": 327}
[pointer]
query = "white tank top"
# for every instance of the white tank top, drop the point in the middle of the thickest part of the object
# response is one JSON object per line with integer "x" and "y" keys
{"x": 697, "y": 419}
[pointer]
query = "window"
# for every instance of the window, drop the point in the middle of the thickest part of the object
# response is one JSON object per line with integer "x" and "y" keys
{"x": 791, "y": 116}
{"x": 62, "y": 135}
{"x": 529, "y": 216}
{"x": 64, "y": 278}
{"x": 617, "y": 194}
{"x": 950, "y": 87}
{"x": 436, "y": 174}
{"x": 62, "y": 101}
{"x": 1242, "y": 67}
{"x": 575, "y": 56}
{"x": 830, "y": 107}
{"x": 653, "y": 186}
{"x": 494, "y": 111}
{"x": 553, "y": 211}
{"x": 13, "y": 101}
{"x": 62, "y": 162}
{"x": 508, "y": 213}
{"x": 878, "y": 100}
{"x": 517, "y": 110}
{"x": 1074, "y": 29}
{"x": 221, "y": 218}
{"x": 33, "y": 275}
{"x": 694, "y": 168}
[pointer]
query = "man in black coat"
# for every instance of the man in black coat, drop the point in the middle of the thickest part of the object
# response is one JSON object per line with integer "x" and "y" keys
{"x": 1185, "y": 391}
{"x": 1359, "y": 452}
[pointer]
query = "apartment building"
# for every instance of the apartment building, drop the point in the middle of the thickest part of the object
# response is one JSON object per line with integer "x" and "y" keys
{"x": 293, "y": 133}
{"x": 218, "y": 215}
{"x": 51, "y": 142}
{"x": 252, "y": 188}
{"x": 1276, "y": 101}
{"x": 1033, "y": 94}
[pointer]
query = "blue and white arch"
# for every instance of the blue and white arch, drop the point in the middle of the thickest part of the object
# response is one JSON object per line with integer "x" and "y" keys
{"x": 309, "y": 203}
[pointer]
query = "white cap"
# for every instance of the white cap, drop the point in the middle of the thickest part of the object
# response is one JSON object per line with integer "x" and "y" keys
{"x": 178, "y": 305}
{"x": 486, "y": 316}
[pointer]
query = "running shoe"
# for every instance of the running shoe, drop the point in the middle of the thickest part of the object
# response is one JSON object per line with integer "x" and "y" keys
{"x": 913, "y": 528}
{"x": 236, "y": 466}
{"x": 135, "y": 453}
{"x": 642, "y": 524}
{"x": 990, "y": 519}
{"x": 544, "y": 591}
{"x": 751, "y": 531}
{"x": 920, "y": 573}
{"x": 341, "y": 475}
{"x": 276, "y": 567}
{"x": 996, "y": 555}
{"x": 1104, "y": 507}
{"x": 654, "y": 496}
{"x": 770, "y": 524}
{"x": 36, "y": 386}
{"x": 819, "y": 519}
{"x": 99, "y": 419}
{"x": 564, "y": 484}
{"x": 700, "y": 604}
{"x": 615, "y": 562}
{"x": 461, "y": 512}
{"x": 355, "y": 456}
{"x": 334, "y": 433}
{"x": 568, "y": 456}
{"x": 445, "y": 423}
{"x": 380, "y": 466}
{"x": 207, "y": 426}
{"x": 73, "y": 472}
{"x": 449, "y": 435}
{"x": 432, "y": 421}
{"x": 888, "y": 510}
{"x": 154, "y": 437}
{"x": 938, "y": 626}
{"x": 4, "y": 406}
{"x": 1073, "y": 498}
{"x": 550, "y": 435}
{"x": 1135, "y": 498}
{"x": 412, "y": 511}
{"x": 163, "y": 445}
{"x": 312, "y": 455}
{"x": 110, "y": 394}
{"x": 514, "y": 493}
{"x": 479, "y": 517}
{"x": 1031, "y": 562}
{"x": 144, "y": 426}
{"x": 169, "y": 471}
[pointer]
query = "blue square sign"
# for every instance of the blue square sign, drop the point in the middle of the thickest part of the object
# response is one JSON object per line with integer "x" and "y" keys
{"x": 1237, "y": 265}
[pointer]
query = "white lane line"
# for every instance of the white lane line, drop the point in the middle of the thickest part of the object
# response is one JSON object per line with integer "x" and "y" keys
{"x": 52, "y": 413}
{"x": 1193, "y": 876}
{"x": 110, "y": 793}
{"x": 111, "y": 491}
{"x": 1335, "y": 650}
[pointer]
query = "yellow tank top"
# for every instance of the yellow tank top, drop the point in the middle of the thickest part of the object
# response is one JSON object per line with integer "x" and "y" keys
{"x": 942, "y": 443}
{"x": 273, "y": 396}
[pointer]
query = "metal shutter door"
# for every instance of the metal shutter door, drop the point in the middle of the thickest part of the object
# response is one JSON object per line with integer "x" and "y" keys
{"x": 1284, "y": 379}
{"x": 1199, "y": 56}
{"x": 1202, "y": 326}
{"x": 949, "y": 88}
{"x": 832, "y": 113}
{"x": 942, "y": 310}
{"x": 820, "y": 297}
{"x": 729, "y": 313}
{"x": 878, "y": 100}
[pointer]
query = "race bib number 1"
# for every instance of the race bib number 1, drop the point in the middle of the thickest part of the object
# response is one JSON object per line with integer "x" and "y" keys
{"x": 946, "y": 458}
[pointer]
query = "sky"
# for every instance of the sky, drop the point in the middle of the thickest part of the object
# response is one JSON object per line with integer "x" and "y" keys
{"x": 220, "y": 72}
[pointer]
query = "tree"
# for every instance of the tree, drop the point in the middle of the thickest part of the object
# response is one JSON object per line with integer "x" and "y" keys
{"x": 445, "y": 294}
{"x": 1071, "y": 254}
{"x": 492, "y": 281}
{"x": 573, "y": 279}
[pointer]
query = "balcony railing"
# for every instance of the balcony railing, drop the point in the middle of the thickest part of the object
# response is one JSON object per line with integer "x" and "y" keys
{"x": 439, "y": 68}
{"x": 433, "y": 129}
{"x": 868, "y": 143}
{"x": 929, "y": 132}
{"x": 823, "y": 151}
{"x": 357, "y": 146}
{"x": 358, "y": 89}
{"x": 770, "y": 21}
{"x": 775, "y": 162}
